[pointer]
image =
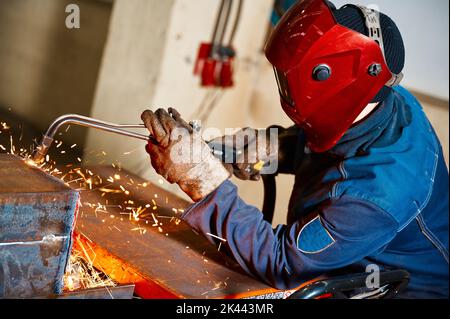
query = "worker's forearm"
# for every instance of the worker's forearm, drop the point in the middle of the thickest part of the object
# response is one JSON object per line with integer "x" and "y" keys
{"x": 250, "y": 240}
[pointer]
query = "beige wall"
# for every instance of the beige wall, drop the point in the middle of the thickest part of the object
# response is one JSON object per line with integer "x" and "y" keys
{"x": 46, "y": 69}
{"x": 128, "y": 77}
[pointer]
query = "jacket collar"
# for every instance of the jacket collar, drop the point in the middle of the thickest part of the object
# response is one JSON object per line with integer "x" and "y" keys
{"x": 382, "y": 127}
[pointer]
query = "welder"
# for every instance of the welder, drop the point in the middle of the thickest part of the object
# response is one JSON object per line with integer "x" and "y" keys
{"x": 371, "y": 184}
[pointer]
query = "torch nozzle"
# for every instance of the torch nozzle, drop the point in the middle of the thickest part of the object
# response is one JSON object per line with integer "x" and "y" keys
{"x": 41, "y": 150}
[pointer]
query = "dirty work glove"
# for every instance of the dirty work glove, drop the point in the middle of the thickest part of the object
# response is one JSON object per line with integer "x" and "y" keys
{"x": 181, "y": 156}
{"x": 255, "y": 152}
{"x": 256, "y": 156}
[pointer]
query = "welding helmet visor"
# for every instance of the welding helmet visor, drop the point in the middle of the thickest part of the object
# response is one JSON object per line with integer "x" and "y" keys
{"x": 326, "y": 73}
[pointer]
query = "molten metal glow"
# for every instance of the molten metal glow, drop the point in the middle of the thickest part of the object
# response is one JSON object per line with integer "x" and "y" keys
{"x": 81, "y": 274}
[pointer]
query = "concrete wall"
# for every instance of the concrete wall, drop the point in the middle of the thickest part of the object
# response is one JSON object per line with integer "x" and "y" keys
{"x": 128, "y": 78}
{"x": 46, "y": 69}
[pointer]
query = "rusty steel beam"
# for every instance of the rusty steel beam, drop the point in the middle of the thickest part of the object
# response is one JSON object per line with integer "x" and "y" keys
{"x": 37, "y": 214}
{"x": 164, "y": 259}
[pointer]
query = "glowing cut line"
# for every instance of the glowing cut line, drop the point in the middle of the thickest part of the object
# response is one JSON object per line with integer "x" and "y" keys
{"x": 46, "y": 240}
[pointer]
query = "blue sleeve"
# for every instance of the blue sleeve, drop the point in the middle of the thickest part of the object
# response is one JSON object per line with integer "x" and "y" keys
{"x": 340, "y": 233}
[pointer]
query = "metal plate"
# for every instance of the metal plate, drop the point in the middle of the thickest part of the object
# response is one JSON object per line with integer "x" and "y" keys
{"x": 37, "y": 215}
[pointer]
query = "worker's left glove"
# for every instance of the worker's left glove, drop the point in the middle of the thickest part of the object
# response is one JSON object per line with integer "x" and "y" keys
{"x": 255, "y": 152}
{"x": 179, "y": 154}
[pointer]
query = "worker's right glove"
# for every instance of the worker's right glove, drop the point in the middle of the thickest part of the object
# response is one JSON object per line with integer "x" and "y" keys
{"x": 180, "y": 155}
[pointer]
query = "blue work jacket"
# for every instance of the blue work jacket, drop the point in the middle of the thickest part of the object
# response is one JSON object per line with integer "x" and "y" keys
{"x": 380, "y": 197}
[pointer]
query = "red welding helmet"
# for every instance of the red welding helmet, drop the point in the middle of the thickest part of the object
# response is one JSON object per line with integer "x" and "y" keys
{"x": 327, "y": 73}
